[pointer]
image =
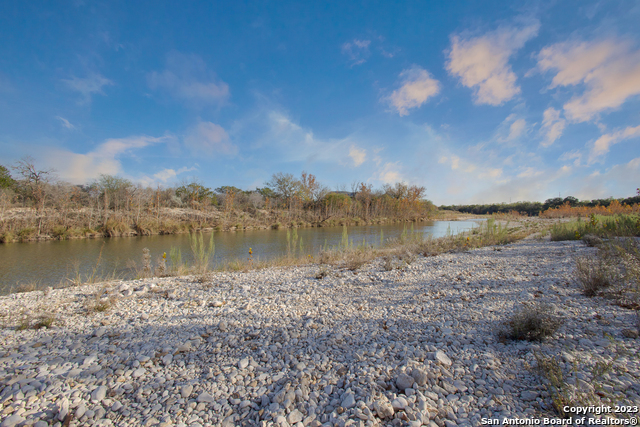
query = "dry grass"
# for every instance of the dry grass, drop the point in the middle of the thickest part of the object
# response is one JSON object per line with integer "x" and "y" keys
{"x": 594, "y": 274}
{"x": 100, "y": 301}
{"x": 531, "y": 323}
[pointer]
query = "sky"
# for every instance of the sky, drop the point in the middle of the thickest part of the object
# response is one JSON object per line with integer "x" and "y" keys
{"x": 477, "y": 101}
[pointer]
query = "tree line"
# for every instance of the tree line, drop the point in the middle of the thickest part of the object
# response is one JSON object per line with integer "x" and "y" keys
{"x": 112, "y": 205}
{"x": 536, "y": 208}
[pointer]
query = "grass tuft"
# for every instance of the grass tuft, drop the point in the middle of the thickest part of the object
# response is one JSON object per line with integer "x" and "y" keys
{"x": 531, "y": 323}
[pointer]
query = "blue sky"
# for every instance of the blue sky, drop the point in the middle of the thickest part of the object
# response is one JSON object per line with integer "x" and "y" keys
{"x": 479, "y": 101}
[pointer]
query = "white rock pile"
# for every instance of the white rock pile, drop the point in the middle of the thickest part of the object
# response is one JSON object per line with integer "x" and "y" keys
{"x": 279, "y": 347}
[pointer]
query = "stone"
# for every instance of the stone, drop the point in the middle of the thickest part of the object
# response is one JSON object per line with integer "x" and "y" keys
{"x": 419, "y": 376}
{"x": 294, "y": 416}
{"x": 243, "y": 363}
{"x": 80, "y": 410}
{"x": 99, "y": 393}
{"x": 12, "y": 421}
{"x": 186, "y": 390}
{"x": 348, "y": 401}
{"x": 442, "y": 358}
{"x": 404, "y": 381}
{"x": 399, "y": 403}
{"x": 63, "y": 408}
{"x": 629, "y": 333}
{"x": 383, "y": 408}
{"x": 205, "y": 397}
{"x": 528, "y": 395}
{"x": 100, "y": 332}
{"x": 138, "y": 372}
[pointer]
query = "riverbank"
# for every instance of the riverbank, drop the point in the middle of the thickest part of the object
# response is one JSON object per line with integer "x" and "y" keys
{"x": 280, "y": 346}
{"x": 28, "y": 225}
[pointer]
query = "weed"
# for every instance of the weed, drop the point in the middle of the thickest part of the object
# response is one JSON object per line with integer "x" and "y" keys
{"x": 146, "y": 263}
{"x": 390, "y": 263}
{"x": 322, "y": 272}
{"x": 594, "y": 273}
{"x": 44, "y": 322}
{"x": 560, "y": 391}
{"x": 201, "y": 254}
{"x": 531, "y": 323}
{"x": 178, "y": 267}
{"x": 161, "y": 269}
{"x": 100, "y": 301}
{"x": 355, "y": 259}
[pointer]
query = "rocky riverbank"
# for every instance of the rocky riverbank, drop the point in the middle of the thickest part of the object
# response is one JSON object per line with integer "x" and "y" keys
{"x": 417, "y": 346}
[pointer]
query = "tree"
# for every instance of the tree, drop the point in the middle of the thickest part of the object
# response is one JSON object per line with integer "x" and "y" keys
{"x": 5, "y": 178}
{"x": 32, "y": 181}
{"x": 194, "y": 193}
{"x": 285, "y": 185}
{"x": 310, "y": 188}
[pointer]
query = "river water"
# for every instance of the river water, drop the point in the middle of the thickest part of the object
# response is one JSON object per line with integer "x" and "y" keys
{"x": 36, "y": 265}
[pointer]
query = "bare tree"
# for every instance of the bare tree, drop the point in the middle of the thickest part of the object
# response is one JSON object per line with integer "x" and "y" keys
{"x": 32, "y": 184}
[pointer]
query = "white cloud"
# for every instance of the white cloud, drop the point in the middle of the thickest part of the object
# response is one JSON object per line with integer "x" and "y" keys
{"x": 511, "y": 129}
{"x": 516, "y": 129}
{"x": 82, "y": 168}
{"x": 358, "y": 155}
{"x": 530, "y": 173}
{"x": 88, "y": 86}
{"x": 417, "y": 86}
{"x": 66, "y": 123}
{"x": 574, "y": 155}
{"x": 491, "y": 173}
{"x": 209, "y": 138}
{"x": 169, "y": 174}
{"x": 357, "y": 51}
{"x": 186, "y": 77}
{"x": 482, "y": 63}
{"x": 604, "y": 143}
{"x": 390, "y": 173}
{"x": 609, "y": 71}
{"x": 618, "y": 181}
{"x": 552, "y": 126}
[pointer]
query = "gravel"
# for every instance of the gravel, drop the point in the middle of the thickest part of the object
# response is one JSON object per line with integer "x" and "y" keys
{"x": 277, "y": 347}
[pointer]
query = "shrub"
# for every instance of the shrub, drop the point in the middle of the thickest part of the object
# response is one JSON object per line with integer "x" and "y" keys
{"x": 59, "y": 232}
{"x": 594, "y": 273}
{"x": 27, "y": 233}
{"x": 531, "y": 323}
{"x": 322, "y": 272}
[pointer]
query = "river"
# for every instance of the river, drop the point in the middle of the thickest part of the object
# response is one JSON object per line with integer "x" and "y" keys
{"x": 36, "y": 265}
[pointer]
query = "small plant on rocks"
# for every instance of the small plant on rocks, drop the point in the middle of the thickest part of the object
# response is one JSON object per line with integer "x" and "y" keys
{"x": 322, "y": 272}
{"x": 594, "y": 273}
{"x": 531, "y": 323}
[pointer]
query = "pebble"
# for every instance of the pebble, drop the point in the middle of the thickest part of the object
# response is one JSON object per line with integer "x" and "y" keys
{"x": 278, "y": 347}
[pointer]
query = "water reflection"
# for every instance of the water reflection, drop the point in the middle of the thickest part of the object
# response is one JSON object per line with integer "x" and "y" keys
{"x": 51, "y": 263}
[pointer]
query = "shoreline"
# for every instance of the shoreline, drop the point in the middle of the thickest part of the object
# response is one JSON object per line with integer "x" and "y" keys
{"x": 280, "y": 347}
{"x": 188, "y": 227}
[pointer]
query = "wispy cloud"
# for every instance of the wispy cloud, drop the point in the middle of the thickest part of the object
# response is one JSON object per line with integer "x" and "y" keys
{"x": 88, "y": 86}
{"x": 105, "y": 159}
{"x": 608, "y": 69}
{"x": 66, "y": 123}
{"x": 416, "y": 87}
{"x": 169, "y": 174}
{"x": 511, "y": 129}
{"x": 358, "y": 155}
{"x": 186, "y": 77}
{"x": 390, "y": 173}
{"x": 552, "y": 126}
{"x": 357, "y": 51}
{"x": 604, "y": 143}
{"x": 209, "y": 138}
{"x": 482, "y": 63}
{"x": 616, "y": 181}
